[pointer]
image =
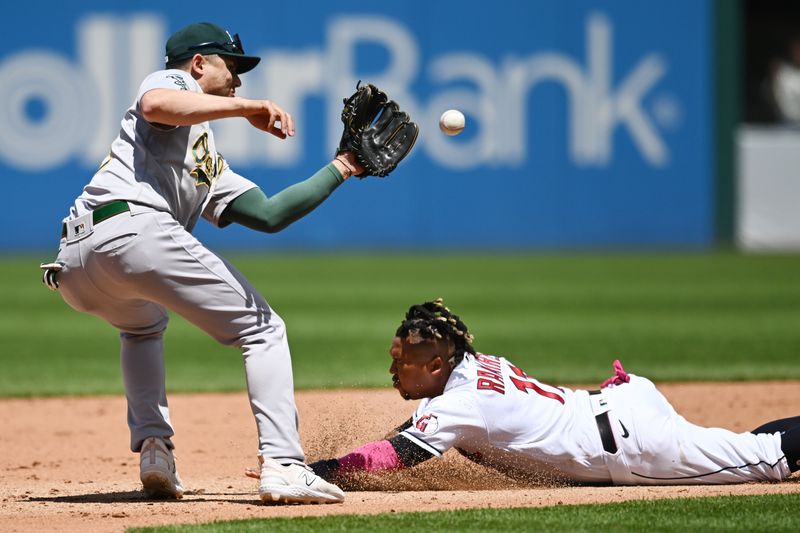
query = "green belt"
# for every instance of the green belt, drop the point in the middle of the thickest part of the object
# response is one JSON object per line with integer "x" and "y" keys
{"x": 103, "y": 213}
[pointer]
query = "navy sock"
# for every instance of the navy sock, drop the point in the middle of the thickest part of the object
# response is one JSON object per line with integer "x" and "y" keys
{"x": 790, "y": 444}
{"x": 789, "y": 428}
{"x": 784, "y": 424}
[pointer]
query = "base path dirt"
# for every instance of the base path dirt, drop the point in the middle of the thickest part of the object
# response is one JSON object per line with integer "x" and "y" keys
{"x": 66, "y": 466}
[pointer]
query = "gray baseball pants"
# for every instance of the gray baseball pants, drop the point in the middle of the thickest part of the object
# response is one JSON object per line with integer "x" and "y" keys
{"x": 129, "y": 270}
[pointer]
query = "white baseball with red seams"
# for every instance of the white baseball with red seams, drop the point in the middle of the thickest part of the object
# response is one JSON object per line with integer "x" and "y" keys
{"x": 452, "y": 122}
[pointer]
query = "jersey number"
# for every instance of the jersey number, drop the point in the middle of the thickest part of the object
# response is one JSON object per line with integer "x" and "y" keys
{"x": 525, "y": 382}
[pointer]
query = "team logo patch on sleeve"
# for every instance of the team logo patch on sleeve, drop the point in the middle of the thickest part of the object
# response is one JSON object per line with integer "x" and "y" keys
{"x": 427, "y": 424}
{"x": 179, "y": 81}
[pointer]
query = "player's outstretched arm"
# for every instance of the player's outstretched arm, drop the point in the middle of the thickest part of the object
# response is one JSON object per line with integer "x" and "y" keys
{"x": 254, "y": 210}
{"x": 185, "y": 108}
{"x": 372, "y": 457}
{"x": 388, "y": 454}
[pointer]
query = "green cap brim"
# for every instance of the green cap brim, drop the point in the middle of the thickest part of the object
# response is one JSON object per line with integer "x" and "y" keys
{"x": 243, "y": 63}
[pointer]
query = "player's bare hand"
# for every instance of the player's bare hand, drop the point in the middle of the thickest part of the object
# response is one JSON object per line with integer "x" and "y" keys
{"x": 270, "y": 117}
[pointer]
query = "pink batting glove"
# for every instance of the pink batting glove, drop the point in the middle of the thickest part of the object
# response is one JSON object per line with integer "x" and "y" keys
{"x": 619, "y": 377}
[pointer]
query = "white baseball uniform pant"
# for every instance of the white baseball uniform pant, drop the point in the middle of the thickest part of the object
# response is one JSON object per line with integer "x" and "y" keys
{"x": 130, "y": 269}
{"x": 657, "y": 446}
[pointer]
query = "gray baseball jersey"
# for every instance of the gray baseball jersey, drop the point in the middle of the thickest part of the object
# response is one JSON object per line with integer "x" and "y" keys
{"x": 173, "y": 169}
{"x": 131, "y": 268}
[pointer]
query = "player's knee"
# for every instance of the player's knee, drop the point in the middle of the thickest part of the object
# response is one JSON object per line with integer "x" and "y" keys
{"x": 155, "y": 329}
{"x": 275, "y": 328}
{"x": 270, "y": 322}
{"x": 265, "y": 330}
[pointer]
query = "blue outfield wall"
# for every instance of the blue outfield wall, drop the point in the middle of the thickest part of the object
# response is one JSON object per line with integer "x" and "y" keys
{"x": 589, "y": 122}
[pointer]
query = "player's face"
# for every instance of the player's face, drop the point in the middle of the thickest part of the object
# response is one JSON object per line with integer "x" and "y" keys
{"x": 219, "y": 76}
{"x": 416, "y": 371}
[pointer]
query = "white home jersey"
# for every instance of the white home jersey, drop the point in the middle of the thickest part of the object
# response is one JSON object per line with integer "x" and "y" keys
{"x": 496, "y": 414}
{"x": 627, "y": 434}
{"x": 174, "y": 169}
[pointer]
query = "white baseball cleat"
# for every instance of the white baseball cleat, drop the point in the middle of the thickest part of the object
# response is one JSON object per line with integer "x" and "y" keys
{"x": 295, "y": 483}
{"x": 157, "y": 470}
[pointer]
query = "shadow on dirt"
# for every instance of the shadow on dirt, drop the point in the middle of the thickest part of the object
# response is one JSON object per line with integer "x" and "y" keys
{"x": 140, "y": 498}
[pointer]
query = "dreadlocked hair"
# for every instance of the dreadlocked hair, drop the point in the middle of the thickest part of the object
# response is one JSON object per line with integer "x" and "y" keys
{"x": 432, "y": 321}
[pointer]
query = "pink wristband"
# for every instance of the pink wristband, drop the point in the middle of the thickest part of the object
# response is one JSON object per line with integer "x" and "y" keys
{"x": 371, "y": 457}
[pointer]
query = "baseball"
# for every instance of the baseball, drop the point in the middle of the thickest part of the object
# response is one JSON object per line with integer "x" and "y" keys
{"x": 452, "y": 122}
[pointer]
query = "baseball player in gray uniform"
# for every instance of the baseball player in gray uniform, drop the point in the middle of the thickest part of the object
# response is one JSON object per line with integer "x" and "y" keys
{"x": 127, "y": 254}
{"x": 625, "y": 433}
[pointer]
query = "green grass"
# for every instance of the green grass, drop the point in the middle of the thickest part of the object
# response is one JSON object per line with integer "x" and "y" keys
{"x": 562, "y": 318}
{"x": 773, "y": 513}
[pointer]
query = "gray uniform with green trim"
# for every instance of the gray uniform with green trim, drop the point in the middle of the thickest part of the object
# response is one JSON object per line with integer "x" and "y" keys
{"x": 132, "y": 267}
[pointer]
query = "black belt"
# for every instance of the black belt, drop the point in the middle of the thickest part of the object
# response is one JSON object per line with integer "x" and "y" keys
{"x": 103, "y": 213}
{"x": 604, "y": 427}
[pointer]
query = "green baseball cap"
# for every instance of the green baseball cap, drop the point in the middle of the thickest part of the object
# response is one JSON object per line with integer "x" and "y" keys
{"x": 207, "y": 39}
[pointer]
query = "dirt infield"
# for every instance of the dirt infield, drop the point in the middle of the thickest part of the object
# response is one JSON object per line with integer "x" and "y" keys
{"x": 66, "y": 466}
